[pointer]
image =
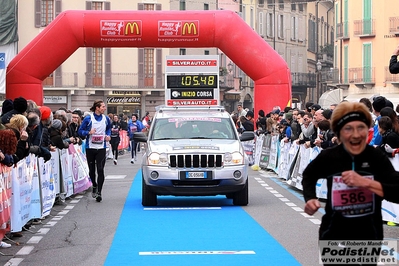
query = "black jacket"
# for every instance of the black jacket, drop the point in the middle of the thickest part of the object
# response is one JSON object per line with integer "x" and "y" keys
{"x": 334, "y": 161}
{"x": 394, "y": 65}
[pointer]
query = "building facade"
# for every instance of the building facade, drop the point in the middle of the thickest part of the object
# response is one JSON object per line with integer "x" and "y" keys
{"x": 363, "y": 48}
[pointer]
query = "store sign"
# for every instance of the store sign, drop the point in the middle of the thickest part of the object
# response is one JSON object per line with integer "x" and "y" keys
{"x": 54, "y": 99}
{"x": 124, "y": 100}
{"x": 232, "y": 97}
{"x": 125, "y": 93}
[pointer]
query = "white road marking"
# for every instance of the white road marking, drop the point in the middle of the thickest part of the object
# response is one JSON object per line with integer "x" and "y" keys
{"x": 115, "y": 176}
{"x": 26, "y": 250}
{"x": 284, "y": 199}
{"x": 307, "y": 215}
{"x": 50, "y": 223}
{"x": 74, "y": 201}
{"x": 43, "y": 231}
{"x": 291, "y": 204}
{"x": 315, "y": 221}
{"x": 297, "y": 209}
{"x": 34, "y": 239}
{"x": 14, "y": 262}
{"x": 182, "y": 208}
{"x": 69, "y": 207}
{"x": 278, "y": 195}
{"x": 198, "y": 252}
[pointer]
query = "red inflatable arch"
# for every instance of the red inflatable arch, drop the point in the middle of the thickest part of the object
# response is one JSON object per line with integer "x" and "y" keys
{"x": 222, "y": 29}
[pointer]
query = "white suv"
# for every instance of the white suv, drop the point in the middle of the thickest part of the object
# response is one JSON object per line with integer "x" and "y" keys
{"x": 194, "y": 151}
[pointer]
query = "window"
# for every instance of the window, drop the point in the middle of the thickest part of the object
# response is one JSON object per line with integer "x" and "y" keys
{"x": 206, "y": 52}
{"x": 293, "y": 7}
{"x": 148, "y": 67}
{"x": 270, "y": 25}
{"x": 96, "y": 5}
{"x": 149, "y": 7}
{"x": 206, "y": 6}
{"x": 182, "y": 5}
{"x": 251, "y": 17}
{"x": 270, "y": 4}
{"x": 97, "y": 54}
{"x": 261, "y": 27}
{"x": 182, "y": 51}
{"x": 281, "y": 26}
{"x": 47, "y": 14}
{"x": 294, "y": 28}
{"x": 281, "y": 4}
{"x": 300, "y": 7}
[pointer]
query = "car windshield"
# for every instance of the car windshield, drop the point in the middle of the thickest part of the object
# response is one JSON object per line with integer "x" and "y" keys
{"x": 193, "y": 128}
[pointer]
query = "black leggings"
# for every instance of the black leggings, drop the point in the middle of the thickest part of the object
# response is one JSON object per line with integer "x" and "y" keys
{"x": 114, "y": 145}
{"x": 96, "y": 158}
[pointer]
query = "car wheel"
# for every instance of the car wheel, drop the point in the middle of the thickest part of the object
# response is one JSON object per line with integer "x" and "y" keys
{"x": 240, "y": 198}
{"x": 148, "y": 198}
{"x": 230, "y": 195}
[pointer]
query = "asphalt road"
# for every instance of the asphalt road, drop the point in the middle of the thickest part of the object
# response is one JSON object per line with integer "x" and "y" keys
{"x": 81, "y": 231}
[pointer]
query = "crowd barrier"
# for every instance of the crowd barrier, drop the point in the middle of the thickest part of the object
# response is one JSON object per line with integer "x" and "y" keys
{"x": 289, "y": 160}
{"x": 29, "y": 189}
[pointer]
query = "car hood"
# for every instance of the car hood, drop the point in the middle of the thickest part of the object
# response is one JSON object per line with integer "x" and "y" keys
{"x": 194, "y": 145}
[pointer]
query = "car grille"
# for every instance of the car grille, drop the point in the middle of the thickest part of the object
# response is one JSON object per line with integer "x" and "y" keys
{"x": 195, "y": 161}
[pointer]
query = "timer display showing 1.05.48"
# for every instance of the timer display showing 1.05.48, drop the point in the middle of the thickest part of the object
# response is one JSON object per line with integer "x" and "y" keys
{"x": 192, "y": 81}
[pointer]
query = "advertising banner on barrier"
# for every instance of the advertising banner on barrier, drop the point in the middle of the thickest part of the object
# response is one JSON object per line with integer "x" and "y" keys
{"x": 26, "y": 190}
{"x": 124, "y": 143}
{"x": 66, "y": 172}
{"x": 47, "y": 186}
{"x": 55, "y": 170}
{"x": 5, "y": 198}
{"x": 80, "y": 170}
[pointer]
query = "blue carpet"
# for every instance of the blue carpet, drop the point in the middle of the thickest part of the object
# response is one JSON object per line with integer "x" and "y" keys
{"x": 174, "y": 227}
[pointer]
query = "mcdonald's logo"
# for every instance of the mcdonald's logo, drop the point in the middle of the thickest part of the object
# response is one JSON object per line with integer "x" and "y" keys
{"x": 190, "y": 28}
{"x": 133, "y": 28}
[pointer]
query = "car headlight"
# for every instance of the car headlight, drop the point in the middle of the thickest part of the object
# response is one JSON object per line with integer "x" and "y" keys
{"x": 233, "y": 158}
{"x": 158, "y": 159}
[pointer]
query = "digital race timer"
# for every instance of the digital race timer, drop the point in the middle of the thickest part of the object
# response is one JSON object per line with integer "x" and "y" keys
{"x": 192, "y": 81}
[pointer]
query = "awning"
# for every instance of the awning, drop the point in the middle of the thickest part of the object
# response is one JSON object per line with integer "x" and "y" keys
{"x": 330, "y": 97}
{"x": 357, "y": 97}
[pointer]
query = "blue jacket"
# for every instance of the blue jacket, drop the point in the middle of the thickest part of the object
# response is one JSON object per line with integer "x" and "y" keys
{"x": 377, "y": 138}
{"x": 131, "y": 125}
{"x": 85, "y": 127}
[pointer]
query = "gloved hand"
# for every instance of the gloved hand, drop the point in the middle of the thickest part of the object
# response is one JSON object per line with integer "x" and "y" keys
{"x": 45, "y": 153}
{"x": 395, "y": 151}
{"x": 388, "y": 148}
{"x": 35, "y": 150}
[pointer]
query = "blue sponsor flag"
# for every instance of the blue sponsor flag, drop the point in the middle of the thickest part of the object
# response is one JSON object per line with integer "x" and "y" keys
{"x": 2, "y": 60}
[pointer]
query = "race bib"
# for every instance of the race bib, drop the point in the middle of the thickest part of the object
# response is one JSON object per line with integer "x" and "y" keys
{"x": 97, "y": 139}
{"x": 351, "y": 201}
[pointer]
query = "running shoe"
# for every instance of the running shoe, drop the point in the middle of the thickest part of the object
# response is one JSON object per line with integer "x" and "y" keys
{"x": 391, "y": 223}
{"x": 99, "y": 198}
{"x": 115, "y": 162}
{"x": 4, "y": 245}
{"x": 132, "y": 161}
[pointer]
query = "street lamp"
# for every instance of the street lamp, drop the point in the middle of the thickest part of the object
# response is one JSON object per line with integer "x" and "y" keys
{"x": 318, "y": 81}
{"x": 230, "y": 67}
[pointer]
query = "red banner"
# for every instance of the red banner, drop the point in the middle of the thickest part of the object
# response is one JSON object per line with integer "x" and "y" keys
{"x": 124, "y": 143}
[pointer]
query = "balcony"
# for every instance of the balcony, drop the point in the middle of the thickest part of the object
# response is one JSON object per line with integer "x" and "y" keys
{"x": 362, "y": 77}
{"x": 342, "y": 31}
{"x": 124, "y": 81}
{"x": 330, "y": 76}
{"x": 303, "y": 79}
{"x": 364, "y": 28}
{"x": 391, "y": 78}
{"x": 65, "y": 80}
{"x": 226, "y": 82}
{"x": 394, "y": 25}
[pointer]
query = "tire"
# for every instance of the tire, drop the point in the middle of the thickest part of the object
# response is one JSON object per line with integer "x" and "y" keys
{"x": 240, "y": 198}
{"x": 148, "y": 198}
{"x": 229, "y": 195}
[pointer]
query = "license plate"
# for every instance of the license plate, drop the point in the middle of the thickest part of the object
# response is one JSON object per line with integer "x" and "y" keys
{"x": 195, "y": 174}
